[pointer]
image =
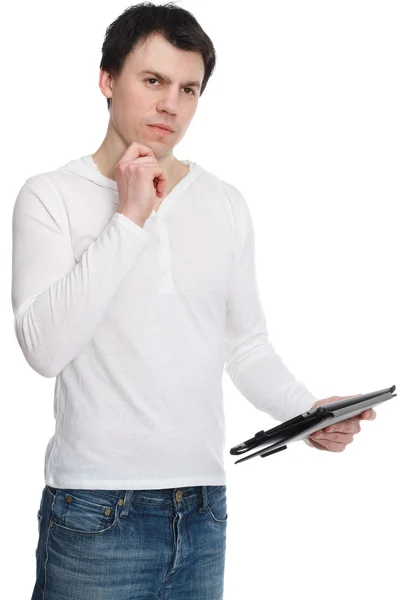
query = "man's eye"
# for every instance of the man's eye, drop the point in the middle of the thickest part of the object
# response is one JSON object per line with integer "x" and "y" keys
{"x": 186, "y": 88}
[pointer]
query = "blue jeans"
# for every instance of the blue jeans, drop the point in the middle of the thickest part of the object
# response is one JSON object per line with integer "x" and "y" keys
{"x": 164, "y": 544}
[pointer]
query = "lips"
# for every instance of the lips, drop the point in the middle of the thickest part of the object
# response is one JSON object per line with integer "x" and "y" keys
{"x": 159, "y": 131}
{"x": 161, "y": 126}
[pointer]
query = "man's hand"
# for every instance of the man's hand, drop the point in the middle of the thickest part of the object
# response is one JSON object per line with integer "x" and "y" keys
{"x": 336, "y": 437}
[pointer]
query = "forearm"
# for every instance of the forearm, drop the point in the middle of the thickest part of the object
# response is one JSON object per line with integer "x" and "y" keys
{"x": 53, "y": 327}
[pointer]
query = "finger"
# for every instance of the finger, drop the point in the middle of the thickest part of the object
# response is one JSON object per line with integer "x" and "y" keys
{"x": 142, "y": 160}
{"x": 158, "y": 176}
{"x": 367, "y": 415}
{"x": 160, "y": 185}
{"x": 135, "y": 150}
{"x": 147, "y": 160}
{"x": 163, "y": 185}
{"x": 328, "y": 445}
{"x": 348, "y": 426}
{"x": 316, "y": 445}
{"x": 340, "y": 438}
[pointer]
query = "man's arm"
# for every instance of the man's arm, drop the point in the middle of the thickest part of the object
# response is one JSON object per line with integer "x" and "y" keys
{"x": 250, "y": 359}
{"x": 57, "y": 302}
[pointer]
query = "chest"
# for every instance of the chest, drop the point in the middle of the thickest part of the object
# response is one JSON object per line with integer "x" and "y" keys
{"x": 190, "y": 251}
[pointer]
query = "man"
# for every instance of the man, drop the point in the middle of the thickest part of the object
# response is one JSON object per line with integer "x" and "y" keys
{"x": 133, "y": 285}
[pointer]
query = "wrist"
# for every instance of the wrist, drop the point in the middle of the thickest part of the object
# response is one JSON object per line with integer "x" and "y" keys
{"x": 132, "y": 217}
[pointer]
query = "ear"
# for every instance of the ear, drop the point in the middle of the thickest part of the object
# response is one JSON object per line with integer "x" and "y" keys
{"x": 105, "y": 83}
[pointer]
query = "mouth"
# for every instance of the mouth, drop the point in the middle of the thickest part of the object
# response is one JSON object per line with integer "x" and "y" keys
{"x": 161, "y": 130}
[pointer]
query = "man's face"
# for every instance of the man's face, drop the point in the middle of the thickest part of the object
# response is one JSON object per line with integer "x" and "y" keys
{"x": 139, "y": 99}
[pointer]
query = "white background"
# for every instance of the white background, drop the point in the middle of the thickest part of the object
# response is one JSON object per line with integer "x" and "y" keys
{"x": 302, "y": 116}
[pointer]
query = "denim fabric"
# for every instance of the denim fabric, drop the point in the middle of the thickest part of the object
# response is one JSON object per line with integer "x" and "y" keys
{"x": 164, "y": 544}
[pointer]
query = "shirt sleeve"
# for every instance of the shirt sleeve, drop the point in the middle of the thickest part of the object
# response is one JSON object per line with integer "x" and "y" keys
{"x": 57, "y": 301}
{"x": 251, "y": 362}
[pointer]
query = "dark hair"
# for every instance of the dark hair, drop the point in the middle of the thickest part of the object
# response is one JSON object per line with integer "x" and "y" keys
{"x": 137, "y": 23}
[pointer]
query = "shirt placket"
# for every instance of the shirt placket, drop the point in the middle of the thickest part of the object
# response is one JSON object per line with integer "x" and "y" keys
{"x": 166, "y": 284}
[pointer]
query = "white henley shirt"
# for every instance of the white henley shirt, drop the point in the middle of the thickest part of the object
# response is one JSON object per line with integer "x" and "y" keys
{"x": 138, "y": 325}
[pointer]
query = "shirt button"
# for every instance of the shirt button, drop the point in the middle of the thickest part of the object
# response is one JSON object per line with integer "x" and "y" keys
{"x": 165, "y": 272}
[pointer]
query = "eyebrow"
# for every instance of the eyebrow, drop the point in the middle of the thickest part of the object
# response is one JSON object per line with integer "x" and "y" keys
{"x": 168, "y": 79}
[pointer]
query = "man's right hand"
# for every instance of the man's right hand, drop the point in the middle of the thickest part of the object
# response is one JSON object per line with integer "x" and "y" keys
{"x": 140, "y": 180}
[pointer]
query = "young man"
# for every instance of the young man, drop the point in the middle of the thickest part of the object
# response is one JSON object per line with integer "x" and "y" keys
{"x": 134, "y": 284}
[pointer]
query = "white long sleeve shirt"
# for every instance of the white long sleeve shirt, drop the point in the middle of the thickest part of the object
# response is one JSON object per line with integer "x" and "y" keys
{"x": 137, "y": 325}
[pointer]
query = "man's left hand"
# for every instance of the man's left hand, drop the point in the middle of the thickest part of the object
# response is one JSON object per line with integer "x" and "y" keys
{"x": 336, "y": 437}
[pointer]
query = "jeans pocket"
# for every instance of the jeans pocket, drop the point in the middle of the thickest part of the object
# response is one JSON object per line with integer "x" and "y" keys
{"x": 84, "y": 511}
{"x": 217, "y": 505}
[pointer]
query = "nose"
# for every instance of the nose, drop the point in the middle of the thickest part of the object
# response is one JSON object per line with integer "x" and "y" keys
{"x": 170, "y": 101}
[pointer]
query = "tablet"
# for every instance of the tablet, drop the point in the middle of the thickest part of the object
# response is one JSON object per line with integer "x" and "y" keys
{"x": 303, "y": 425}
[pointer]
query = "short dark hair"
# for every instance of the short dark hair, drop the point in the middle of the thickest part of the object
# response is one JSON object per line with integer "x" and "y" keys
{"x": 138, "y": 22}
